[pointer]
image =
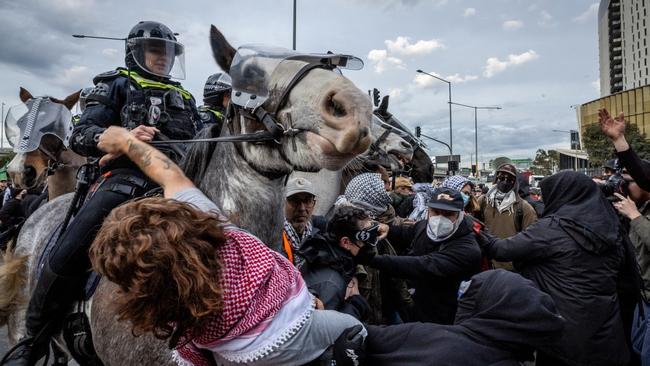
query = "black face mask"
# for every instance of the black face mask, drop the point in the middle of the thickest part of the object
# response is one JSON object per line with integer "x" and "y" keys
{"x": 368, "y": 236}
{"x": 505, "y": 186}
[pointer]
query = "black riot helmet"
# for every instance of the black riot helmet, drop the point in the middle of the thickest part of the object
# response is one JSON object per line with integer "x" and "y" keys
{"x": 152, "y": 47}
{"x": 216, "y": 87}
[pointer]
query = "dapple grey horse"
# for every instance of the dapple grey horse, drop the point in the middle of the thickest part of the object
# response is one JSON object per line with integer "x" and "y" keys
{"x": 329, "y": 120}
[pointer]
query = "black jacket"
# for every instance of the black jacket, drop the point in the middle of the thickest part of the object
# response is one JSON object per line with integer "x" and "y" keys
{"x": 327, "y": 270}
{"x": 434, "y": 268}
{"x": 638, "y": 169}
{"x": 575, "y": 254}
{"x": 501, "y": 319}
{"x": 107, "y": 106}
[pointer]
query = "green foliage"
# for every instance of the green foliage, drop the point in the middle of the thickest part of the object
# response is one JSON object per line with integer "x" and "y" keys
{"x": 600, "y": 147}
{"x": 545, "y": 162}
{"x": 4, "y": 160}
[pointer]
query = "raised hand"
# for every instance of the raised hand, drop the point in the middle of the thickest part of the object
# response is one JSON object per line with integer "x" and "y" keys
{"x": 614, "y": 128}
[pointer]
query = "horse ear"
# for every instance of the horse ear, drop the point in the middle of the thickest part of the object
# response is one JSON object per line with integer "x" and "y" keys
{"x": 222, "y": 51}
{"x": 71, "y": 99}
{"x": 25, "y": 95}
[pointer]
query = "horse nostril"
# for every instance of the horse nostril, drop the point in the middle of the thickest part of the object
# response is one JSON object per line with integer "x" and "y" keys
{"x": 364, "y": 132}
{"x": 405, "y": 145}
{"x": 335, "y": 108}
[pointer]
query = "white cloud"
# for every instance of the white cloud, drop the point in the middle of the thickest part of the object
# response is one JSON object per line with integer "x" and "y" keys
{"x": 494, "y": 65}
{"x": 395, "y": 93}
{"x": 110, "y": 52}
{"x": 72, "y": 77}
{"x": 402, "y": 46}
{"x": 545, "y": 18}
{"x": 383, "y": 62}
{"x": 589, "y": 14}
{"x": 426, "y": 81}
{"x": 512, "y": 25}
{"x": 469, "y": 12}
{"x": 386, "y": 59}
{"x": 596, "y": 85}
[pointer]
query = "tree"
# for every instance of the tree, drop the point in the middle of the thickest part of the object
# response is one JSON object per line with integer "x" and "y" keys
{"x": 545, "y": 162}
{"x": 600, "y": 148}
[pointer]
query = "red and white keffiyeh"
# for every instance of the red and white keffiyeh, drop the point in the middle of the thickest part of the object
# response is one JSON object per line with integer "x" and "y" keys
{"x": 265, "y": 302}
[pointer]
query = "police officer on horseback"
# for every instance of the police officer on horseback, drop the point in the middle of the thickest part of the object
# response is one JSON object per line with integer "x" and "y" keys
{"x": 143, "y": 98}
{"x": 216, "y": 96}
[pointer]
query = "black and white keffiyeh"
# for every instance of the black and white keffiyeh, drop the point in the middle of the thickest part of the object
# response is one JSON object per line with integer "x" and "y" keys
{"x": 296, "y": 239}
{"x": 367, "y": 190}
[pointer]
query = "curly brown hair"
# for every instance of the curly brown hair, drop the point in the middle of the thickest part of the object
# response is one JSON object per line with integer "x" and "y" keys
{"x": 162, "y": 254}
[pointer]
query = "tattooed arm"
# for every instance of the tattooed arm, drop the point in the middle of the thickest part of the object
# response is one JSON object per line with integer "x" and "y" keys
{"x": 116, "y": 141}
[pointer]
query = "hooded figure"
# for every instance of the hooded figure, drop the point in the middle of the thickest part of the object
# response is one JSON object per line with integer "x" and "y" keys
{"x": 441, "y": 252}
{"x": 502, "y": 210}
{"x": 574, "y": 253}
{"x": 502, "y": 318}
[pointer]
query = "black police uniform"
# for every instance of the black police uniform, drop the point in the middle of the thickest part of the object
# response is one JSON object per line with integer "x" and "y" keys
{"x": 162, "y": 104}
{"x": 212, "y": 116}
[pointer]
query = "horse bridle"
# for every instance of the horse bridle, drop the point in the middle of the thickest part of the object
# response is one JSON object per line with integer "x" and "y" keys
{"x": 274, "y": 130}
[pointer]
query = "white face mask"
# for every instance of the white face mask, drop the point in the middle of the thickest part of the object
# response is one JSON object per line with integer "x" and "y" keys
{"x": 439, "y": 227}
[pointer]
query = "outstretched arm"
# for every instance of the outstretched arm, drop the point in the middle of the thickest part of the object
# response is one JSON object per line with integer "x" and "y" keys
{"x": 614, "y": 128}
{"x": 116, "y": 141}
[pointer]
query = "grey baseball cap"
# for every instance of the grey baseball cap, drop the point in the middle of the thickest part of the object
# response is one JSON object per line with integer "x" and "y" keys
{"x": 299, "y": 185}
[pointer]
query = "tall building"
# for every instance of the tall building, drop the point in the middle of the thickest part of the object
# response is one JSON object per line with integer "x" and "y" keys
{"x": 623, "y": 46}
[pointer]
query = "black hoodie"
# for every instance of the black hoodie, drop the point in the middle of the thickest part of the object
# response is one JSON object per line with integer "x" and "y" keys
{"x": 327, "y": 270}
{"x": 575, "y": 253}
{"x": 501, "y": 319}
{"x": 434, "y": 268}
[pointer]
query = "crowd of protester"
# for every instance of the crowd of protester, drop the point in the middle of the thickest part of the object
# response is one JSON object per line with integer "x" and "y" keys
{"x": 397, "y": 272}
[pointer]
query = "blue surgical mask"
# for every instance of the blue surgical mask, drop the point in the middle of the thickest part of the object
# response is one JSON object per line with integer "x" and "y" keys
{"x": 465, "y": 198}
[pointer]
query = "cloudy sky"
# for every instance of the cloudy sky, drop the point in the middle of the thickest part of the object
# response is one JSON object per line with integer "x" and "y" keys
{"x": 533, "y": 58}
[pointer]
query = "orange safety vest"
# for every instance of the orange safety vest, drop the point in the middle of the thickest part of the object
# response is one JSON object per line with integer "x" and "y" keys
{"x": 287, "y": 246}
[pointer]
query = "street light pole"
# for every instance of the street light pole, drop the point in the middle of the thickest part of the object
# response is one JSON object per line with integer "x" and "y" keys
{"x": 476, "y": 108}
{"x": 294, "y": 25}
{"x": 451, "y": 143}
{"x": 2, "y": 126}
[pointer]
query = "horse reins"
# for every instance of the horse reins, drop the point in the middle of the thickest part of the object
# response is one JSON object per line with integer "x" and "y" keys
{"x": 275, "y": 131}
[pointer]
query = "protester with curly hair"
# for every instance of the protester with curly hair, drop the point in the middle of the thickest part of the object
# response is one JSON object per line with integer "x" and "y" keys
{"x": 216, "y": 292}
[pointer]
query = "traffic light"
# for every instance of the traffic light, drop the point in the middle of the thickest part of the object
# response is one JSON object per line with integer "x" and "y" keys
{"x": 474, "y": 169}
{"x": 375, "y": 96}
{"x": 453, "y": 166}
{"x": 418, "y": 131}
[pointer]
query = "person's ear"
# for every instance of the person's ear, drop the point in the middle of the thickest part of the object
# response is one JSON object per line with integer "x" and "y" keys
{"x": 345, "y": 242}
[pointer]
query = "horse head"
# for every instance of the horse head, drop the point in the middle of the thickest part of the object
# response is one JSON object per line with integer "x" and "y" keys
{"x": 38, "y": 130}
{"x": 391, "y": 144}
{"x": 325, "y": 117}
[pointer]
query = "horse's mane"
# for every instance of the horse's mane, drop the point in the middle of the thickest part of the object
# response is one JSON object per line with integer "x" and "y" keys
{"x": 199, "y": 155}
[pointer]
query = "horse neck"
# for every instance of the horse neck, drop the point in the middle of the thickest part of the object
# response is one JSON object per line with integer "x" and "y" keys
{"x": 251, "y": 201}
{"x": 64, "y": 179}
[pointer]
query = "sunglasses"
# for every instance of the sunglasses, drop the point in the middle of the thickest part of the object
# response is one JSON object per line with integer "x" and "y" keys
{"x": 506, "y": 178}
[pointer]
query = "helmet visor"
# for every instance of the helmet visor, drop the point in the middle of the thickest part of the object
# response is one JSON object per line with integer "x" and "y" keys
{"x": 160, "y": 57}
{"x": 26, "y": 124}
